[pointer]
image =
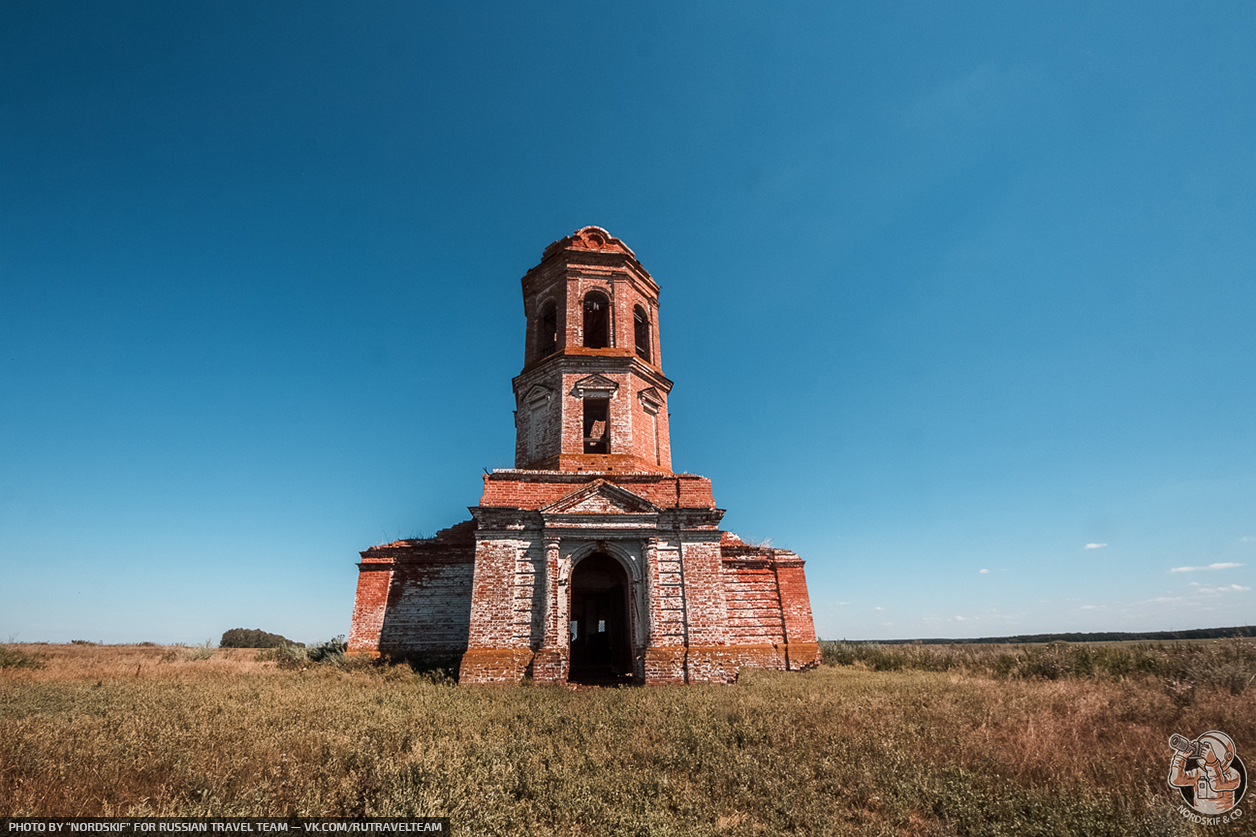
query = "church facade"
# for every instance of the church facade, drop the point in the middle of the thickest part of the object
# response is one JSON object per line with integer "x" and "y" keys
{"x": 590, "y": 560}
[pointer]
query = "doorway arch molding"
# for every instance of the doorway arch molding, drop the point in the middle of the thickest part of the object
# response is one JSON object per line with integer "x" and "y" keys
{"x": 630, "y": 555}
{"x": 628, "y": 559}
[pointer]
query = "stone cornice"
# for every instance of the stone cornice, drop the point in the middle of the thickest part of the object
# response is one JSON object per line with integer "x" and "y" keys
{"x": 595, "y": 361}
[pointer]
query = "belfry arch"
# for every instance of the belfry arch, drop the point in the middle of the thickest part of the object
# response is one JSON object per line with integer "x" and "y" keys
{"x": 597, "y": 320}
{"x": 641, "y": 333}
{"x": 547, "y": 330}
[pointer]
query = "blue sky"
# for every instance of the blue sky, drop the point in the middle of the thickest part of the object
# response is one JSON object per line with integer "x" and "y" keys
{"x": 958, "y": 298}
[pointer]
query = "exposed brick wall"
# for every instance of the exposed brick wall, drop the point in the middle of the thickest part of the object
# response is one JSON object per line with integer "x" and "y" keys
{"x": 369, "y": 606}
{"x": 796, "y": 605}
{"x": 754, "y": 603}
{"x": 495, "y": 619}
{"x": 429, "y": 608}
{"x": 722, "y": 663}
{"x": 665, "y": 665}
{"x": 414, "y": 596}
{"x": 489, "y": 666}
{"x": 768, "y": 602}
{"x": 533, "y": 489}
{"x": 702, "y": 580}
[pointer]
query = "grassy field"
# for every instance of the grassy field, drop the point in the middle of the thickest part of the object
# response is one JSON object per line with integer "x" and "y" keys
{"x": 908, "y": 740}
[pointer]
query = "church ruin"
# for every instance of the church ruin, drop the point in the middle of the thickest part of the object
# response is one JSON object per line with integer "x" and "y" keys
{"x": 590, "y": 560}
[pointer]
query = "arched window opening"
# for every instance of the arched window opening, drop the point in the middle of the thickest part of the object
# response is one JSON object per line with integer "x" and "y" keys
{"x": 547, "y": 331}
{"x": 597, "y": 321}
{"x": 597, "y": 426}
{"x": 641, "y": 333}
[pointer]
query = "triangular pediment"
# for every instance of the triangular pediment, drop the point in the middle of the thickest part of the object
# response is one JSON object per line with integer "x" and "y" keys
{"x": 594, "y": 385}
{"x": 601, "y": 497}
{"x": 538, "y": 395}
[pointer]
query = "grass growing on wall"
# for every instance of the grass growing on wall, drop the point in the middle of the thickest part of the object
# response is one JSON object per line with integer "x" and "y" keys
{"x": 844, "y": 749}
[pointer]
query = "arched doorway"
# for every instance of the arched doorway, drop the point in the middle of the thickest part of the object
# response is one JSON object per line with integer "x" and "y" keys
{"x": 601, "y": 636}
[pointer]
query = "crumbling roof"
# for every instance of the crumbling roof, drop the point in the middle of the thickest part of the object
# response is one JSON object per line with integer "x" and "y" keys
{"x": 591, "y": 238}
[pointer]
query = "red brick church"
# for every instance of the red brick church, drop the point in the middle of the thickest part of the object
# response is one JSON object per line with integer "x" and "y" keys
{"x": 590, "y": 560}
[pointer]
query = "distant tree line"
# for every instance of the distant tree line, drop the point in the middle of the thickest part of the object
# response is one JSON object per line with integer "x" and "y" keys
{"x": 1114, "y": 636}
{"x": 254, "y": 638}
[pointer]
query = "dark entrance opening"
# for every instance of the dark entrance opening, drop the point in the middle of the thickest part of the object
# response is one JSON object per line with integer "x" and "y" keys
{"x": 601, "y": 644}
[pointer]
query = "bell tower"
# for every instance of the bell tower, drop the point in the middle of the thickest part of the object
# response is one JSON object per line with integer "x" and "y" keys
{"x": 592, "y": 396}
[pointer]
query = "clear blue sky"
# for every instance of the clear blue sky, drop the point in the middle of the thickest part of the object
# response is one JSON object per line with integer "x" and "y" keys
{"x": 959, "y": 299}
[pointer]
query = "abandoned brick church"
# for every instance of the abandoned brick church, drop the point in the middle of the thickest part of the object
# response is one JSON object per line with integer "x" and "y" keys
{"x": 590, "y": 560}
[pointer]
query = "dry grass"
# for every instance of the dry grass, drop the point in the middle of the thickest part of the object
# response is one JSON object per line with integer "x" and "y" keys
{"x": 129, "y": 730}
{"x": 77, "y": 662}
{"x": 1215, "y": 663}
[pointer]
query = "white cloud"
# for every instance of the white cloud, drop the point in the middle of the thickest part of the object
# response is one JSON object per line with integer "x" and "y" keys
{"x": 984, "y": 571}
{"x": 1094, "y": 546}
{"x": 878, "y": 607}
{"x": 1090, "y": 607}
{"x": 1247, "y": 538}
{"x": 1222, "y": 565}
{"x": 1230, "y": 588}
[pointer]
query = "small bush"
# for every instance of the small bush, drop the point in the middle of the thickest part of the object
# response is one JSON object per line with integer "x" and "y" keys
{"x": 182, "y": 653}
{"x": 291, "y": 655}
{"x": 332, "y": 651}
{"x": 285, "y": 656}
{"x": 201, "y": 652}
